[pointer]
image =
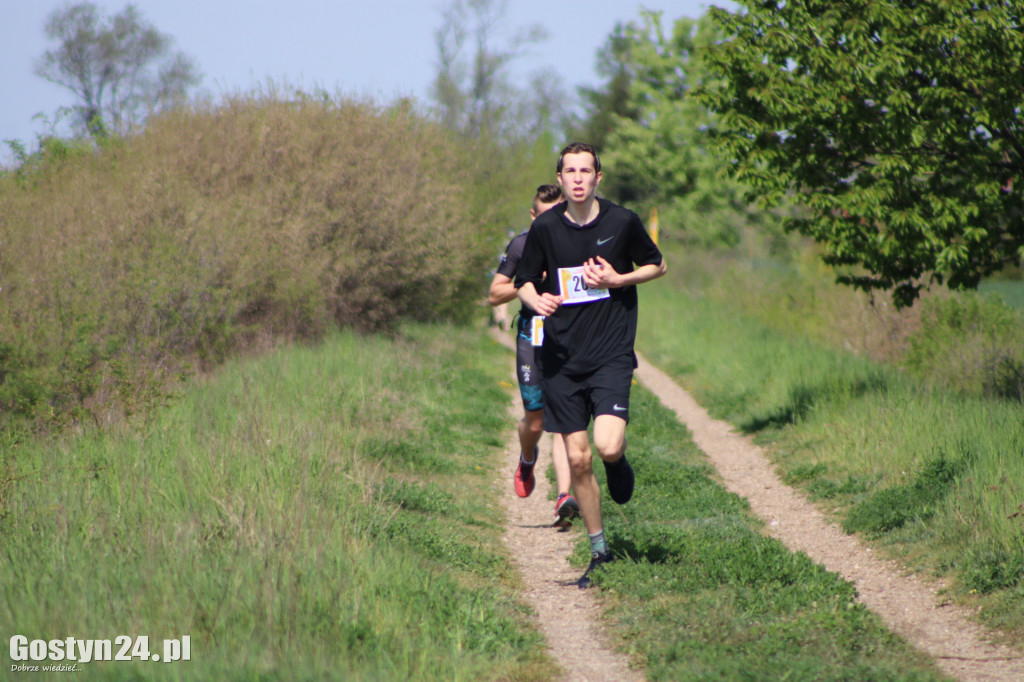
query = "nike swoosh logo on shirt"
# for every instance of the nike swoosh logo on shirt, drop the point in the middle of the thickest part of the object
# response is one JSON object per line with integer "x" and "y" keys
{"x": 619, "y": 408}
{"x": 605, "y": 240}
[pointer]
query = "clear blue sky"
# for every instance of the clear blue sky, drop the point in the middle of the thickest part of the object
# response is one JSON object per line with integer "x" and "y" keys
{"x": 377, "y": 48}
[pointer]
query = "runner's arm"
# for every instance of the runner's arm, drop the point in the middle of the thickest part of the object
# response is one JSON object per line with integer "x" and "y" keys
{"x": 599, "y": 274}
{"x": 502, "y": 290}
{"x": 542, "y": 304}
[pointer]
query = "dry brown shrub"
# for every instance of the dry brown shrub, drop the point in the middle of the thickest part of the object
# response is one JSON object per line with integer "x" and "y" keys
{"x": 220, "y": 226}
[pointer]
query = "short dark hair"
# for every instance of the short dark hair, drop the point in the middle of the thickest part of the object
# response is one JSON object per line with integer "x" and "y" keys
{"x": 548, "y": 194}
{"x": 579, "y": 148}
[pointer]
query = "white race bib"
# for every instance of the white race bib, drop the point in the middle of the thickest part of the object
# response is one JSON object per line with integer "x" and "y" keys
{"x": 574, "y": 289}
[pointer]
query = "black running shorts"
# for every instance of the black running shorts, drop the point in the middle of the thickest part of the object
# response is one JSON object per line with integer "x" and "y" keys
{"x": 571, "y": 401}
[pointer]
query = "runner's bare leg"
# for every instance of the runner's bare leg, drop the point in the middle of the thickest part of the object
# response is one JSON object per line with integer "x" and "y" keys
{"x": 584, "y": 483}
{"x": 560, "y": 460}
{"x": 530, "y": 430}
{"x": 609, "y": 437}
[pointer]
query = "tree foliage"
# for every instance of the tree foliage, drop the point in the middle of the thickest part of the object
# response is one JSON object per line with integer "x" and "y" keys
{"x": 611, "y": 102}
{"x": 896, "y": 124}
{"x": 651, "y": 131}
{"x": 120, "y": 67}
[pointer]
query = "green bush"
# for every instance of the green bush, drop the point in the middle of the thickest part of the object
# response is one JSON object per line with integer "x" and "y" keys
{"x": 987, "y": 570}
{"x": 971, "y": 343}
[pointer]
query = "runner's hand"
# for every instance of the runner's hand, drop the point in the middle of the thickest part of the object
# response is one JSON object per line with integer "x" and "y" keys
{"x": 547, "y": 304}
{"x": 599, "y": 273}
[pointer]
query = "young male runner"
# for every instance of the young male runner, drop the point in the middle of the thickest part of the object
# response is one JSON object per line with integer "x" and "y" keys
{"x": 528, "y": 373}
{"x": 594, "y": 253}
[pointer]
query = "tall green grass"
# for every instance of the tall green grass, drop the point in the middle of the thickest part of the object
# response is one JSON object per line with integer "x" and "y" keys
{"x": 931, "y": 473}
{"x": 313, "y": 514}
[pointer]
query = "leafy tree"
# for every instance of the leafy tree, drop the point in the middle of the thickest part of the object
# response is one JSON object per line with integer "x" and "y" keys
{"x": 604, "y": 105}
{"x": 119, "y": 67}
{"x": 473, "y": 92}
{"x": 895, "y": 124}
{"x": 650, "y": 130}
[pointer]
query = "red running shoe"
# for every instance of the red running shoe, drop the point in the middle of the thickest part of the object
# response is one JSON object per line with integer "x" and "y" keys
{"x": 566, "y": 509}
{"x": 523, "y": 478}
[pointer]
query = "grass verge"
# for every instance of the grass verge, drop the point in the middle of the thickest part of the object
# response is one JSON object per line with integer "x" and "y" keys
{"x": 930, "y": 475}
{"x": 316, "y": 514}
{"x": 313, "y": 514}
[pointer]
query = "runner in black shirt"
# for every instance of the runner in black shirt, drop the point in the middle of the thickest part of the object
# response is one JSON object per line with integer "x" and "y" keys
{"x": 594, "y": 253}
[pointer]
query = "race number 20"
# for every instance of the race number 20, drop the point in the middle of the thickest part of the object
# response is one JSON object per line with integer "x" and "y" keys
{"x": 574, "y": 289}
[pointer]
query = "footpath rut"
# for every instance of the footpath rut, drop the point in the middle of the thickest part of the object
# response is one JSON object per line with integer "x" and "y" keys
{"x": 571, "y": 620}
{"x": 569, "y": 617}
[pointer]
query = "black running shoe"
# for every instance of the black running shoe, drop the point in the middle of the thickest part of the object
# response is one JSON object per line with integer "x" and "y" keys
{"x": 597, "y": 559}
{"x": 620, "y": 480}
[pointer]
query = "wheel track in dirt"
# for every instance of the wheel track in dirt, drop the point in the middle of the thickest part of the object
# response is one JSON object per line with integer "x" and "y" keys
{"x": 571, "y": 619}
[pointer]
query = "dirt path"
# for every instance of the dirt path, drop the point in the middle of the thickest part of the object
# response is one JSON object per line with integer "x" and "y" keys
{"x": 570, "y": 618}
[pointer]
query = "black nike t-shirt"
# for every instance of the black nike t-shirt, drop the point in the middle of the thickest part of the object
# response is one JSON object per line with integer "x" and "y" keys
{"x": 581, "y": 336}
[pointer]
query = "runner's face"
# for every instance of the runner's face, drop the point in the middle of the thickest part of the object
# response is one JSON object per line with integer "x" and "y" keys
{"x": 578, "y": 179}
